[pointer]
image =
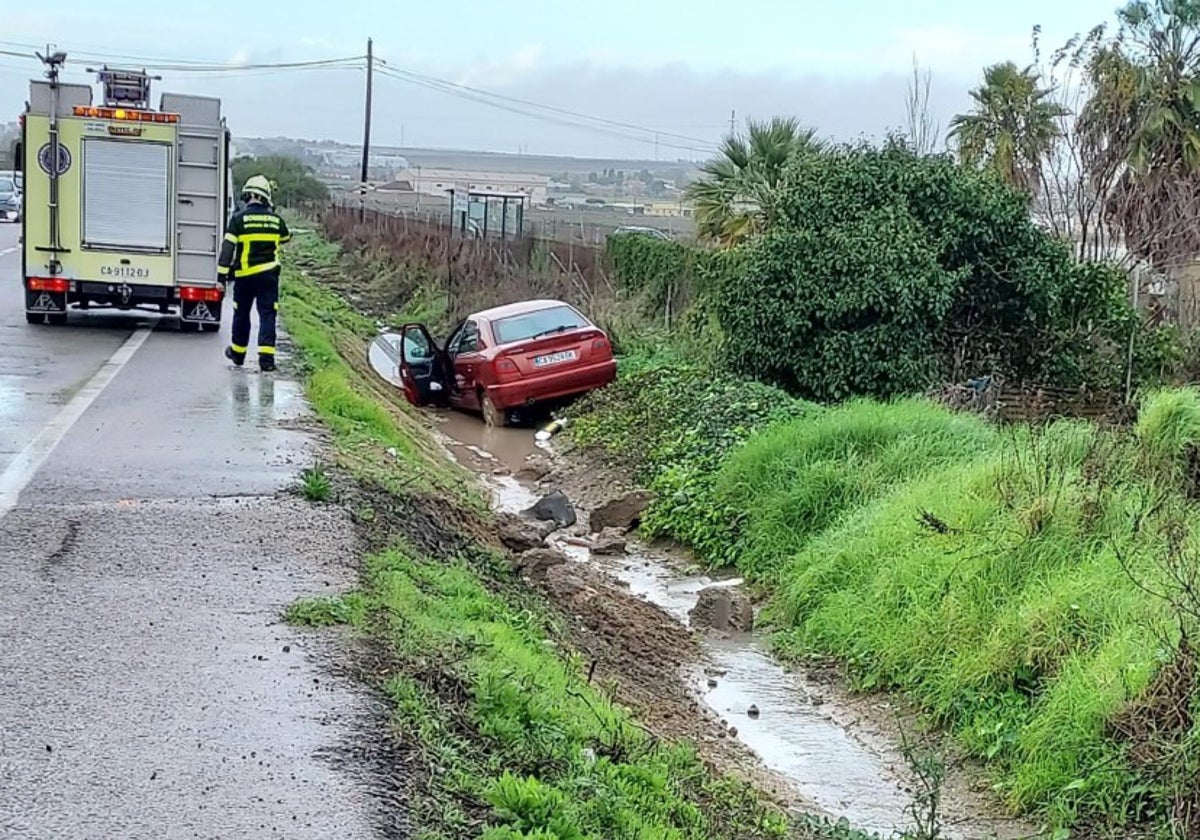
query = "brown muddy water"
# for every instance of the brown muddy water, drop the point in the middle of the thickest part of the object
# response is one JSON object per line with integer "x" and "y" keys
{"x": 840, "y": 754}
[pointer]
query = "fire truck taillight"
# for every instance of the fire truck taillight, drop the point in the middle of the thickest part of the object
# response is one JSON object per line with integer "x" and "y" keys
{"x": 56, "y": 285}
{"x": 193, "y": 294}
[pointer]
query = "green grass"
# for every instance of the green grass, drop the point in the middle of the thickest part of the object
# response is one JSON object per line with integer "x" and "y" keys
{"x": 515, "y": 728}
{"x": 798, "y": 477}
{"x": 1015, "y": 626}
{"x": 365, "y": 414}
{"x": 989, "y": 574}
{"x": 315, "y": 484}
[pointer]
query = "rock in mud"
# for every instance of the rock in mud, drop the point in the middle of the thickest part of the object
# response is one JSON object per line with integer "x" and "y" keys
{"x": 556, "y": 508}
{"x": 535, "y": 468}
{"x": 521, "y": 535}
{"x": 723, "y": 608}
{"x": 622, "y": 512}
{"x": 534, "y": 565}
{"x": 610, "y": 542}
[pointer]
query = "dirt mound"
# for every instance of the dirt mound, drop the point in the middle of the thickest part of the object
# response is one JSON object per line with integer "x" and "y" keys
{"x": 624, "y": 630}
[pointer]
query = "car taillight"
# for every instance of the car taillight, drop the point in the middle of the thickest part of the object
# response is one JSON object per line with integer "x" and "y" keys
{"x": 56, "y": 285}
{"x": 193, "y": 294}
{"x": 507, "y": 366}
{"x": 600, "y": 344}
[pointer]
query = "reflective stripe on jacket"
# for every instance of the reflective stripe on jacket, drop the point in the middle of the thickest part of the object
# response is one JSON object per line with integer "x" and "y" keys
{"x": 252, "y": 240}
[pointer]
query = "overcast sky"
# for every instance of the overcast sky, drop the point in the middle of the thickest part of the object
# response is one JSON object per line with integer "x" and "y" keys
{"x": 645, "y": 66}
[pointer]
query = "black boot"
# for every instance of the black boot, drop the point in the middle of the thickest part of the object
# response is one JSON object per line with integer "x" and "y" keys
{"x": 234, "y": 357}
{"x": 266, "y": 363}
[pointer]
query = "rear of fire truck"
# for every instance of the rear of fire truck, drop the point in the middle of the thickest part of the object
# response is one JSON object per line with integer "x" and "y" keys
{"x": 125, "y": 204}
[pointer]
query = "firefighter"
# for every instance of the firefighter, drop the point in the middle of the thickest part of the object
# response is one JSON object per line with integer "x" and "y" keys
{"x": 250, "y": 259}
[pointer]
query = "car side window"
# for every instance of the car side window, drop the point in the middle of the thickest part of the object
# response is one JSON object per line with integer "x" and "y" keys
{"x": 467, "y": 339}
{"x": 455, "y": 339}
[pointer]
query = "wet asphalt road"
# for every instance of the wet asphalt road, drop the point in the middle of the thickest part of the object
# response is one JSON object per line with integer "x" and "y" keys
{"x": 148, "y": 688}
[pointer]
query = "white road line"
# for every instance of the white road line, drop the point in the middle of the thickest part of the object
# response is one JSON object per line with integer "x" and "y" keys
{"x": 7, "y": 251}
{"x": 20, "y": 472}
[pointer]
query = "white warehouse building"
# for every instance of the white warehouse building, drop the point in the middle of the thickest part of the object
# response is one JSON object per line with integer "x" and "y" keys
{"x": 438, "y": 181}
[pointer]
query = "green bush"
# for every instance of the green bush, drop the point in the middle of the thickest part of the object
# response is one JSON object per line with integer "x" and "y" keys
{"x": 673, "y": 426}
{"x": 889, "y": 271}
{"x": 663, "y": 271}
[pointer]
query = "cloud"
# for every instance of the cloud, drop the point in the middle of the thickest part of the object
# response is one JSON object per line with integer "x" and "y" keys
{"x": 954, "y": 48}
{"x": 500, "y": 72}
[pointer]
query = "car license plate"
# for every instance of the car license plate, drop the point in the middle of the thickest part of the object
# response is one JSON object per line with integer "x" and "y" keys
{"x": 554, "y": 358}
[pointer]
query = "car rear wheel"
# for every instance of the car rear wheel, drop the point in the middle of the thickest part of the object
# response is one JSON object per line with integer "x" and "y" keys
{"x": 57, "y": 319}
{"x": 35, "y": 318}
{"x": 492, "y": 416}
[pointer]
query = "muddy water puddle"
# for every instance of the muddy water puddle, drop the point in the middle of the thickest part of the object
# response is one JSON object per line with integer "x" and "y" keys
{"x": 806, "y": 732}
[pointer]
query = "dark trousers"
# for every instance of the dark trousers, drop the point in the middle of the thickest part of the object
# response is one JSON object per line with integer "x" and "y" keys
{"x": 260, "y": 291}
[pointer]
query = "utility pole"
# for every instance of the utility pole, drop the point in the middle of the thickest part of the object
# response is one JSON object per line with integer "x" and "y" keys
{"x": 656, "y": 145}
{"x": 367, "y": 119}
{"x": 732, "y": 122}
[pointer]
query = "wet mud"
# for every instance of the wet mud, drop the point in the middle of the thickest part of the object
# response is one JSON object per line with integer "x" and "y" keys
{"x": 797, "y": 734}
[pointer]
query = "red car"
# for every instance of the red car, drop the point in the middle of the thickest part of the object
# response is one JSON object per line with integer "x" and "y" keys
{"x": 507, "y": 358}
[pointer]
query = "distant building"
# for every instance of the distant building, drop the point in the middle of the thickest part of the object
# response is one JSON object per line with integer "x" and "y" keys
{"x": 378, "y": 163}
{"x": 676, "y": 209}
{"x": 437, "y": 181}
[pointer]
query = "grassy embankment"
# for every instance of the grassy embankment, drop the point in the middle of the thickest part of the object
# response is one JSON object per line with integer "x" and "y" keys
{"x": 512, "y": 740}
{"x": 989, "y": 574}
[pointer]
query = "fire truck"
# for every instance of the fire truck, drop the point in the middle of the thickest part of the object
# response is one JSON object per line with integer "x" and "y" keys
{"x": 125, "y": 205}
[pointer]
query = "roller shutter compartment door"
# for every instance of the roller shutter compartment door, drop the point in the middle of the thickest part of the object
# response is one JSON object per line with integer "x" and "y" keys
{"x": 126, "y": 192}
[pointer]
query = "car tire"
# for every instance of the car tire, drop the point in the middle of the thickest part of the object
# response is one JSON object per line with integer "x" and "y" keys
{"x": 492, "y": 416}
{"x": 210, "y": 327}
{"x": 188, "y": 326}
{"x": 35, "y": 318}
{"x": 57, "y": 320}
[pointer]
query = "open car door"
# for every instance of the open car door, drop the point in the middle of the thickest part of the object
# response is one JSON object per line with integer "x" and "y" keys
{"x": 424, "y": 369}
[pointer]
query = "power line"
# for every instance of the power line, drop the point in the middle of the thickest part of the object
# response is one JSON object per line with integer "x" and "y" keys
{"x": 581, "y": 121}
{"x": 691, "y": 142}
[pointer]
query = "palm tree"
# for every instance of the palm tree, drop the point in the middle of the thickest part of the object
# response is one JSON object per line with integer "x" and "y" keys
{"x": 737, "y": 192}
{"x": 1012, "y": 127}
{"x": 1141, "y": 128}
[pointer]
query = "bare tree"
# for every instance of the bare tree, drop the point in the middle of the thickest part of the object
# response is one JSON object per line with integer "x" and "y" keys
{"x": 1073, "y": 194}
{"x": 924, "y": 131}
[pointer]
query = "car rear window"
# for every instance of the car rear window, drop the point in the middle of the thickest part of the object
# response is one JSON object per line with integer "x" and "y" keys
{"x": 530, "y": 324}
{"x": 7, "y": 185}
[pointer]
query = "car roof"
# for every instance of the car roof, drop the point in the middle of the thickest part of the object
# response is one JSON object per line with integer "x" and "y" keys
{"x": 519, "y": 308}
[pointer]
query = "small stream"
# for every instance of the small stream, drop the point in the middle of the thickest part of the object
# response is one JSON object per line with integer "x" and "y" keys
{"x": 805, "y": 732}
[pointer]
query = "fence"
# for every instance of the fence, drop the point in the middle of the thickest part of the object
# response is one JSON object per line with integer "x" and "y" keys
{"x": 476, "y": 273}
{"x": 1007, "y": 403}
